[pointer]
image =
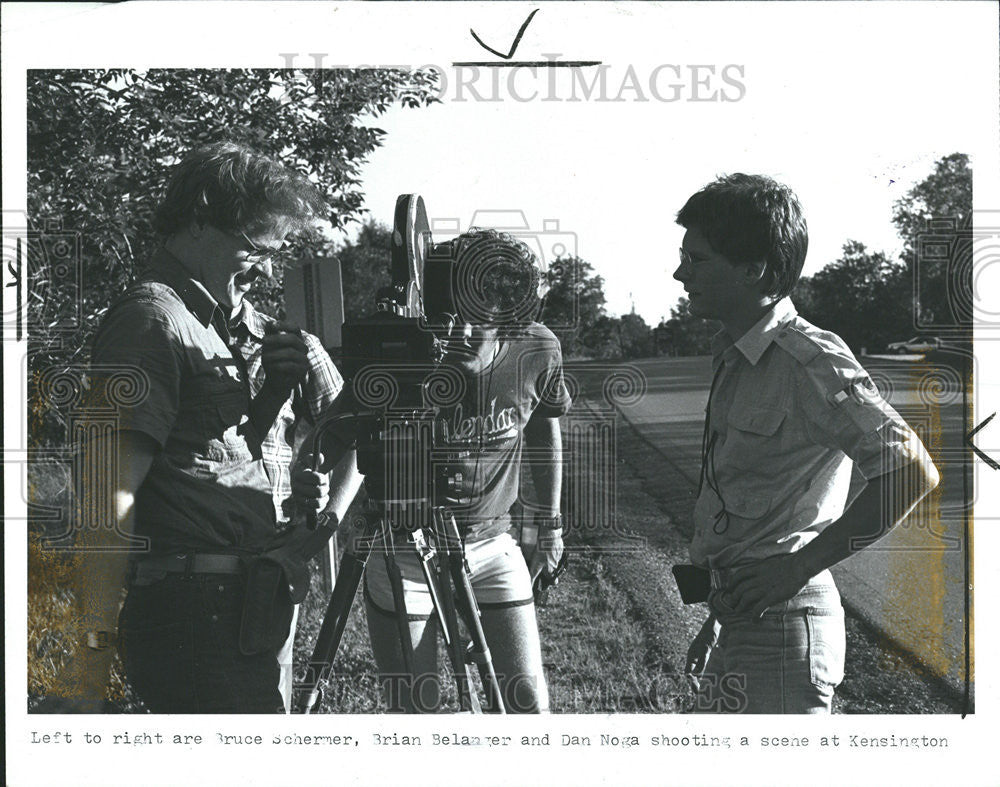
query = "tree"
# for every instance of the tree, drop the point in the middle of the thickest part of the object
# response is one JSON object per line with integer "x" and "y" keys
{"x": 100, "y": 146}
{"x": 574, "y": 305}
{"x": 689, "y": 335}
{"x": 364, "y": 268}
{"x": 636, "y": 336}
{"x": 858, "y": 296}
{"x": 940, "y": 205}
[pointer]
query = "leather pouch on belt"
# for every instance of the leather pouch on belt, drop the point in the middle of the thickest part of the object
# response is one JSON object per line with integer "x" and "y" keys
{"x": 267, "y": 607}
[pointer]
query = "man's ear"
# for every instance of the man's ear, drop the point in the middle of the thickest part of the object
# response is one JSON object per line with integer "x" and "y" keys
{"x": 196, "y": 229}
{"x": 755, "y": 272}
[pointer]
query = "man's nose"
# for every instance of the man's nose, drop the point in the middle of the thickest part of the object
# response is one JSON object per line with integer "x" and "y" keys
{"x": 681, "y": 273}
{"x": 264, "y": 268}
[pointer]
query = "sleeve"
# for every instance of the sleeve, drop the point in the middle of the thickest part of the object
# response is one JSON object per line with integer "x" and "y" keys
{"x": 553, "y": 396}
{"x": 138, "y": 342}
{"x": 324, "y": 383}
{"x": 845, "y": 410}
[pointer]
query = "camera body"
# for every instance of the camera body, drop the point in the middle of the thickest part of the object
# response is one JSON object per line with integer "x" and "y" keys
{"x": 387, "y": 361}
{"x": 392, "y": 358}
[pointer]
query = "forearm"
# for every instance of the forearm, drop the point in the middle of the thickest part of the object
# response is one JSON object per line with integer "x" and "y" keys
{"x": 98, "y": 579}
{"x": 885, "y": 502}
{"x": 543, "y": 450}
{"x": 345, "y": 480}
{"x": 264, "y": 409}
{"x": 100, "y": 560}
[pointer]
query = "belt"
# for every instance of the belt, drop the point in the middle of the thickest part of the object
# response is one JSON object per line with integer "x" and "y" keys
{"x": 155, "y": 567}
{"x": 696, "y": 584}
{"x": 717, "y": 578}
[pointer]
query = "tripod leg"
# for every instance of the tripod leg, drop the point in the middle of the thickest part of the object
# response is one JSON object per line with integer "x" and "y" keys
{"x": 479, "y": 651}
{"x": 337, "y": 613}
{"x": 467, "y": 698}
{"x": 427, "y": 557}
{"x": 399, "y": 604}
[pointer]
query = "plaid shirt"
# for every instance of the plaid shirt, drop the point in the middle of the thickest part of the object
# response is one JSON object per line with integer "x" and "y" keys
{"x": 309, "y": 401}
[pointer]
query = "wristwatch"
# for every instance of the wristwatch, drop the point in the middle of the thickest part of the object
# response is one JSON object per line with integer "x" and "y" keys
{"x": 101, "y": 639}
{"x": 548, "y": 522}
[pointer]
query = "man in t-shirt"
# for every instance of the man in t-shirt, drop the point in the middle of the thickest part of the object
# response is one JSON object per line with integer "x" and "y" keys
{"x": 513, "y": 396}
{"x": 203, "y": 456}
{"x": 791, "y": 413}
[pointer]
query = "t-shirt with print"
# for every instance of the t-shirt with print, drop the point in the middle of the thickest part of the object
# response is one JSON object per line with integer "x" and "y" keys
{"x": 480, "y": 437}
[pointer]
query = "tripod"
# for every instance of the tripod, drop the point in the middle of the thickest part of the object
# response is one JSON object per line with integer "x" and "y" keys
{"x": 446, "y": 573}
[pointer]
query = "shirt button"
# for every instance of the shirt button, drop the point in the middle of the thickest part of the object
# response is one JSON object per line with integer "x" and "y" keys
{"x": 215, "y": 618}
{"x": 222, "y": 588}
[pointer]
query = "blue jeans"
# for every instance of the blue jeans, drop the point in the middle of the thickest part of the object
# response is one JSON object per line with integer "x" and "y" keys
{"x": 179, "y": 640}
{"x": 790, "y": 661}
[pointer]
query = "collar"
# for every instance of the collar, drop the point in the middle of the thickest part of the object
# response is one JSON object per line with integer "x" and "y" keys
{"x": 168, "y": 269}
{"x": 251, "y": 318}
{"x": 755, "y": 341}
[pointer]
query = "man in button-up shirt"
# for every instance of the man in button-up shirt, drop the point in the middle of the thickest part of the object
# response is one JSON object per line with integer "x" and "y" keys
{"x": 204, "y": 455}
{"x": 791, "y": 412}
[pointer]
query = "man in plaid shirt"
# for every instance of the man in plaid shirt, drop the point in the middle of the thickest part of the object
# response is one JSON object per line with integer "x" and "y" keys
{"x": 205, "y": 479}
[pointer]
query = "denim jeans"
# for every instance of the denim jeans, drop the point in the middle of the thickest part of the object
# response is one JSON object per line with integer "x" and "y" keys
{"x": 179, "y": 640}
{"x": 790, "y": 661}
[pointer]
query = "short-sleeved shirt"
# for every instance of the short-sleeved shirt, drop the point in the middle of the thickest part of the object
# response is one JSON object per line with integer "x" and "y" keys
{"x": 791, "y": 413}
{"x": 215, "y": 485}
{"x": 481, "y": 436}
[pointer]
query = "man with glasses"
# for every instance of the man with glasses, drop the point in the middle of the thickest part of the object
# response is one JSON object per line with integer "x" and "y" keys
{"x": 204, "y": 459}
{"x": 791, "y": 413}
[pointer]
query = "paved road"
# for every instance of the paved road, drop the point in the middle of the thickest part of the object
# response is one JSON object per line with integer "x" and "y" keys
{"x": 910, "y": 585}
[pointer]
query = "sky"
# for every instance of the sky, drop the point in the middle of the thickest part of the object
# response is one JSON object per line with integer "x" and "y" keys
{"x": 849, "y": 118}
{"x": 628, "y": 234}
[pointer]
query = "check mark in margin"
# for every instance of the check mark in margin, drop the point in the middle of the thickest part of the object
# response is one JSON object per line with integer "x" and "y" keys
{"x": 513, "y": 47}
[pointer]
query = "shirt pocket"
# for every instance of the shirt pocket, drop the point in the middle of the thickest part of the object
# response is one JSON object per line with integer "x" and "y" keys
{"x": 749, "y": 504}
{"x": 754, "y": 438}
{"x": 217, "y": 420}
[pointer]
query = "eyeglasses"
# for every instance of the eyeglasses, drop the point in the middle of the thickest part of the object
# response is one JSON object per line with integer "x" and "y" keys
{"x": 258, "y": 256}
{"x": 685, "y": 257}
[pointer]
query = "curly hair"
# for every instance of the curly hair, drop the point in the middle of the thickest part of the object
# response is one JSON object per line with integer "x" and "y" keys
{"x": 232, "y": 187}
{"x": 495, "y": 278}
{"x": 749, "y": 218}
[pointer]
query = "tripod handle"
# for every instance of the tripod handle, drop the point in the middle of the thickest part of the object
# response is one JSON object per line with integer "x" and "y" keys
{"x": 312, "y": 518}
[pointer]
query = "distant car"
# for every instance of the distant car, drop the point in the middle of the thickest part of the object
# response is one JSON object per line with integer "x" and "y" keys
{"x": 918, "y": 344}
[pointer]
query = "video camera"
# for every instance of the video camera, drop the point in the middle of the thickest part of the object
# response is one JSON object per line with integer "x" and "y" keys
{"x": 395, "y": 360}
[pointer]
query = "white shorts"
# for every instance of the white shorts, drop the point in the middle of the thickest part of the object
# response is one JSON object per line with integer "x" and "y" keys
{"x": 497, "y": 569}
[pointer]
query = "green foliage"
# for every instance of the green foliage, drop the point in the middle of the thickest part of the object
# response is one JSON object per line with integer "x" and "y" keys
{"x": 364, "y": 268}
{"x": 943, "y": 196}
{"x": 574, "y": 306}
{"x": 685, "y": 334}
{"x": 575, "y": 310}
{"x": 861, "y": 297}
{"x": 945, "y": 193}
{"x": 100, "y": 145}
{"x": 635, "y": 336}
